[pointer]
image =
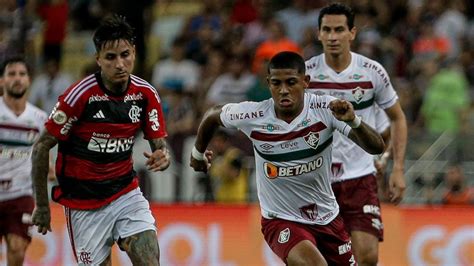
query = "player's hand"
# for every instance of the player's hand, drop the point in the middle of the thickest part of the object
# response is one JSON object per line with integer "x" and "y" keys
{"x": 42, "y": 219}
{"x": 342, "y": 110}
{"x": 159, "y": 160}
{"x": 202, "y": 165}
{"x": 396, "y": 186}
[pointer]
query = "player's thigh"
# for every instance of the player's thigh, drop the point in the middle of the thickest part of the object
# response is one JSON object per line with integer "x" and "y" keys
{"x": 334, "y": 242}
{"x": 90, "y": 234}
{"x": 305, "y": 253}
{"x": 16, "y": 243}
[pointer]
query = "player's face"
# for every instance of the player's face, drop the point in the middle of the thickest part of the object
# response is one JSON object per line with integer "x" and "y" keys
{"x": 116, "y": 61}
{"x": 287, "y": 88}
{"x": 335, "y": 35}
{"x": 16, "y": 80}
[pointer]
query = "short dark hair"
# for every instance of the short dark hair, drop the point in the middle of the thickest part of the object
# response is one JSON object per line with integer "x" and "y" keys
{"x": 14, "y": 60}
{"x": 337, "y": 9}
{"x": 113, "y": 28}
{"x": 287, "y": 60}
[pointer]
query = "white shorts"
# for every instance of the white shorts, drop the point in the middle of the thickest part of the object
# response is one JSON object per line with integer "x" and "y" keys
{"x": 93, "y": 232}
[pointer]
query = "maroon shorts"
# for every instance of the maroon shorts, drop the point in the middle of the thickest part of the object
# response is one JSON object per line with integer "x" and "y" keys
{"x": 332, "y": 240}
{"x": 15, "y": 216}
{"x": 359, "y": 205}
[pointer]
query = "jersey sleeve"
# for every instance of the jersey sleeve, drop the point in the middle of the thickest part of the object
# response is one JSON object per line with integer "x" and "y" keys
{"x": 226, "y": 115}
{"x": 154, "y": 125}
{"x": 385, "y": 94}
{"x": 65, "y": 114}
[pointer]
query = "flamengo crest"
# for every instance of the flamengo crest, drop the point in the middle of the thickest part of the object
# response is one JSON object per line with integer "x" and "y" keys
{"x": 312, "y": 139}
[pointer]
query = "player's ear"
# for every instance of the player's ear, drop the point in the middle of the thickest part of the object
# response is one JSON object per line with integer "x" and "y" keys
{"x": 97, "y": 59}
{"x": 307, "y": 78}
{"x": 353, "y": 33}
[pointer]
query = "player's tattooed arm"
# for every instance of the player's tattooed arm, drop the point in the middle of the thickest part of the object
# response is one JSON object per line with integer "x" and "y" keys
{"x": 142, "y": 248}
{"x": 159, "y": 159}
{"x": 40, "y": 166}
{"x": 39, "y": 173}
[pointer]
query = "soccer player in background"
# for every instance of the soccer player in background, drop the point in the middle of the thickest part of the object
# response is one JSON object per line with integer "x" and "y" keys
{"x": 20, "y": 126}
{"x": 292, "y": 136}
{"x": 365, "y": 83}
{"x": 95, "y": 123}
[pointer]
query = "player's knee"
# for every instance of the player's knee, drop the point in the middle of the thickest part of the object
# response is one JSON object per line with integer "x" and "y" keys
{"x": 16, "y": 254}
{"x": 367, "y": 258}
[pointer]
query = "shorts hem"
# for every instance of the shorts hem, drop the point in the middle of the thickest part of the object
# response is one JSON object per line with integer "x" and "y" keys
{"x": 377, "y": 235}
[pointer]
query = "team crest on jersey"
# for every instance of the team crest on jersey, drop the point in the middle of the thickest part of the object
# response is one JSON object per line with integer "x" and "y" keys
{"x": 358, "y": 94}
{"x": 134, "y": 113}
{"x": 312, "y": 139}
{"x": 309, "y": 212}
{"x": 284, "y": 236}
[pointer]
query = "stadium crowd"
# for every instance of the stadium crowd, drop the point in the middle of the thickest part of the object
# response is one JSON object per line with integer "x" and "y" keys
{"x": 201, "y": 53}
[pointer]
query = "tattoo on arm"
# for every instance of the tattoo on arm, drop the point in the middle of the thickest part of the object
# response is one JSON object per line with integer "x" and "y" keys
{"x": 40, "y": 167}
{"x": 158, "y": 144}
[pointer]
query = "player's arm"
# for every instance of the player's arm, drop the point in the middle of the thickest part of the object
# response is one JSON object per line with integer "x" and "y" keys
{"x": 159, "y": 159}
{"x": 200, "y": 157}
{"x": 361, "y": 133}
{"x": 39, "y": 173}
{"x": 398, "y": 147}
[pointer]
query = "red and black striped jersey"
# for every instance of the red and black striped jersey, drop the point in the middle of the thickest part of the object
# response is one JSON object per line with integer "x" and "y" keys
{"x": 96, "y": 130}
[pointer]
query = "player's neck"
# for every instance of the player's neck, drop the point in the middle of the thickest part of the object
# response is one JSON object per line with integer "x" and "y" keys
{"x": 16, "y": 105}
{"x": 338, "y": 62}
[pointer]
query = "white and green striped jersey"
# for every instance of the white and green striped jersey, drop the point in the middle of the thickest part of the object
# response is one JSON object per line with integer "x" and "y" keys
{"x": 292, "y": 160}
{"x": 17, "y": 135}
{"x": 364, "y": 83}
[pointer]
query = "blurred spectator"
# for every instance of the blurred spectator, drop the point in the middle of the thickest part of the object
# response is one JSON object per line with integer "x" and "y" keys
{"x": 232, "y": 86}
{"x": 297, "y": 17}
{"x": 453, "y": 24}
{"x": 228, "y": 171}
{"x": 203, "y": 29}
{"x": 47, "y": 86}
{"x": 277, "y": 42}
{"x": 446, "y": 101}
{"x": 457, "y": 192}
{"x": 54, "y": 13}
{"x": 16, "y": 30}
{"x": 209, "y": 73}
{"x": 255, "y": 32}
{"x": 260, "y": 91}
{"x": 243, "y": 12}
{"x": 429, "y": 44}
{"x": 176, "y": 72}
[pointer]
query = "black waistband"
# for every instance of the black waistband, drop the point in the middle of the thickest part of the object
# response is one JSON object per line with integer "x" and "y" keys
{"x": 74, "y": 188}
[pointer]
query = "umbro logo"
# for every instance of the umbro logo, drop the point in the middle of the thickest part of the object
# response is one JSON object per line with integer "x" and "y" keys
{"x": 99, "y": 115}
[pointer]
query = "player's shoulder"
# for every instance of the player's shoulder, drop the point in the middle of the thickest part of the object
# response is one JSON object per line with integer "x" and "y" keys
{"x": 313, "y": 62}
{"x": 367, "y": 63}
{"x": 141, "y": 83}
{"x": 248, "y": 110}
{"x": 79, "y": 89}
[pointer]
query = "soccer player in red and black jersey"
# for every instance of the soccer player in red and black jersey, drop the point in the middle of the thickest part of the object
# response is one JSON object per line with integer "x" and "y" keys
{"x": 95, "y": 123}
